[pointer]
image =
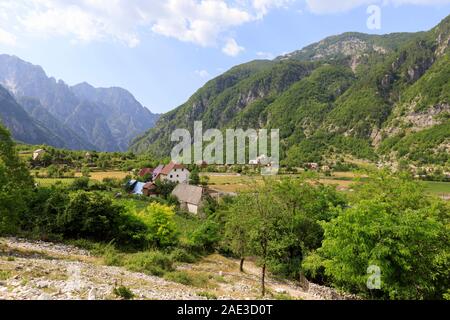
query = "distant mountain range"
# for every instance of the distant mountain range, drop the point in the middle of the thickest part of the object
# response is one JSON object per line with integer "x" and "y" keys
{"x": 377, "y": 97}
{"x": 40, "y": 110}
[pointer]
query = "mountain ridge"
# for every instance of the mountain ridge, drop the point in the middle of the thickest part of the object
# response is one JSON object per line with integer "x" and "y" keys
{"x": 119, "y": 116}
{"x": 342, "y": 105}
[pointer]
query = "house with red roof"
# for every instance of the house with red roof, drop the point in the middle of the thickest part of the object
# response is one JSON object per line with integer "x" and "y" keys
{"x": 174, "y": 172}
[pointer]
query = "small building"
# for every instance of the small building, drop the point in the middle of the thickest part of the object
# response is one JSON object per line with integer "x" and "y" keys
{"x": 149, "y": 189}
{"x": 135, "y": 187}
{"x": 261, "y": 160}
{"x": 175, "y": 172}
{"x": 156, "y": 172}
{"x": 145, "y": 172}
{"x": 312, "y": 166}
{"x": 189, "y": 197}
{"x": 88, "y": 156}
{"x": 37, "y": 154}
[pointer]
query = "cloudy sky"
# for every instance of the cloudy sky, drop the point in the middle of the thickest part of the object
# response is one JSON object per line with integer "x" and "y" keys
{"x": 162, "y": 51}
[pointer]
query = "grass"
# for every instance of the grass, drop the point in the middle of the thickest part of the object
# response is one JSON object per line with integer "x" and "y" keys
{"x": 5, "y": 275}
{"x": 48, "y": 182}
{"x": 437, "y": 187}
{"x": 194, "y": 279}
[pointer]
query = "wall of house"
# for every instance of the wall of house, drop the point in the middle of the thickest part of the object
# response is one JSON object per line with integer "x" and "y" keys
{"x": 178, "y": 176}
{"x": 192, "y": 208}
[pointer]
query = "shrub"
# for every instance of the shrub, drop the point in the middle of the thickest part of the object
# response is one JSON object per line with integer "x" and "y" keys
{"x": 124, "y": 293}
{"x": 162, "y": 229}
{"x": 206, "y": 237}
{"x": 199, "y": 280}
{"x": 151, "y": 262}
{"x": 81, "y": 183}
{"x": 181, "y": 255}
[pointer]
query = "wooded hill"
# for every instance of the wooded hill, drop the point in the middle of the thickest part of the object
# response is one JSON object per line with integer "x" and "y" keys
{"x": 374, "y": 97}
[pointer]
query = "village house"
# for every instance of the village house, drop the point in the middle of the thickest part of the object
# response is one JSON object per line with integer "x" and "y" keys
{"x": 156, "y": 172}
{"x": 37, "y": 154}
{"x": 145, "y": 172}
{"x": 189, "y": 197}
{"x": 149, "y": 190}
{"x": 175, "y": 173}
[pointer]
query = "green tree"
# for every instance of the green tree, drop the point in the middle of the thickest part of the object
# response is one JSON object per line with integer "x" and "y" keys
{"x": 194, "y": 177}
{"x": 237, "y": 227}
{"x": 15, "y": 185}
{"x": 394, "y": 225}
{"x": 162, "y": 229}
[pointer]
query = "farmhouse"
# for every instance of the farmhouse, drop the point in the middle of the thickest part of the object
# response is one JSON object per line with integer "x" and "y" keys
{"x": 149, "y": 189}
{"x": 37, "y": 154}
{"x": 156, "y": 172}
{"x": 189, "y": 197}
{"x": 175, "y": 173}
{"x": 145, "y": 171}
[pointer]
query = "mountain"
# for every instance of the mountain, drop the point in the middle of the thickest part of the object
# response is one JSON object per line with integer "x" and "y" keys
{"x": 382, "y": 98}
{"x": 22, "y": 126}
{"x": 84, "y": 117}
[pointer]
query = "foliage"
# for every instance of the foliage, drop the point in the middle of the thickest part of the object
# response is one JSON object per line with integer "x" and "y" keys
{"x": 396, "y": 227}
{"x": 15, "y": 185}
{"x": 162, "y": 230}
{"x": 124, "y": 293}
{"x": 206, "y": 237}
{"x": 151, "y": 262}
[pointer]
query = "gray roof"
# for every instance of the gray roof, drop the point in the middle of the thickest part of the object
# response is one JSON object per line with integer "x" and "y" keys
{"x": 188, "y": 193}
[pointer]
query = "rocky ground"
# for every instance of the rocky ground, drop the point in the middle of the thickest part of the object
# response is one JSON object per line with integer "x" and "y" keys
{"x": 33, "y": 270}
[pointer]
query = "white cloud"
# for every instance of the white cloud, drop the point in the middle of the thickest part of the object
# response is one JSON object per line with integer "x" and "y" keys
{"x": 265, "y": 55}
{"x": 333, "y": 6}
{"x": 202, "y": 22}
{"x": 231, "y": 48}
{"x": 7, "y": 38}
{"x": 202, "y": 73}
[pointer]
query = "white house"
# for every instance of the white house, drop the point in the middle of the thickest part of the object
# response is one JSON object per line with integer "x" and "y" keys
{"x": 175, "y": 173}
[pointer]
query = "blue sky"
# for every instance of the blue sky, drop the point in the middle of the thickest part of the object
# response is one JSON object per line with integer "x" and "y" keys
{"x": 163, "y": 51}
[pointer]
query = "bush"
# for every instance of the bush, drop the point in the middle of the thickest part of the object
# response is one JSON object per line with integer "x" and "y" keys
{"x": 181, "y": 255}
{"x": 151, "y": 262}
{"x": 124, "y": 293}
{"x": 81, "y": 183}
{"x": 162, "y": 229}
{"x": 206, "y": 237}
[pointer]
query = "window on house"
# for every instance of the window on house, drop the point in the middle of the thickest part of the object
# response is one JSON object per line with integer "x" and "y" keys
{"x": 171, "y": 176}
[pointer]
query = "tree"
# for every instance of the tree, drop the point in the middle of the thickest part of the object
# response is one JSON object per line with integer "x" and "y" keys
{"x": 396, "y": 227}
{"x": 85, "y": 172}
{"x": 237, "y": 229}
{"x": 165, "y": 188}
{"x": 162, "y": 229}
{"x": 194, "y": 177}
{"x": 15, "y": 185}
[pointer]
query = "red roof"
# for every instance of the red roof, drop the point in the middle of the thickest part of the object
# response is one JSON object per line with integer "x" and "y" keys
{"x": 166, "y": 170}
{"x": 145, "y": 171}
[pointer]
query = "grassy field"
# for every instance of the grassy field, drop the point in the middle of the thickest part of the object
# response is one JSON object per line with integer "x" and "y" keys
{"x": 239, "y": 183}
{"x": 442, "y": 188}
{"x": 47, "y": 182}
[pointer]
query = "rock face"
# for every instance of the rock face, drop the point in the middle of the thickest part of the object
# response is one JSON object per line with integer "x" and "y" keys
{"x": 87, "y": 118}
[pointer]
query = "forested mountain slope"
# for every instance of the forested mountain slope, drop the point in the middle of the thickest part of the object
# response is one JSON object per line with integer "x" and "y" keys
{"x": 374, "y": 97}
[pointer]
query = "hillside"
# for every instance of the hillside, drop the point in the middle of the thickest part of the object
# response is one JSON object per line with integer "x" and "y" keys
{"x": 22, "y": 126}
{"x": 50, "y": 271}
{"x": 369, "y": 96}
{"x": 82, "y": 116}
